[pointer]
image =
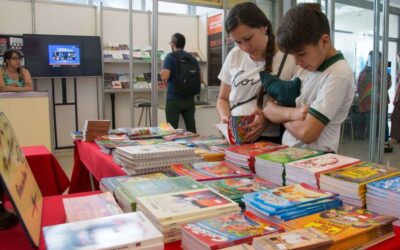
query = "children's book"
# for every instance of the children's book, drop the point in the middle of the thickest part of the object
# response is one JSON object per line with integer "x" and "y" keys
{"x": 202, "y": 171}
{"x": 128, "y": 230}
{"x": 235, "y": 188}
{"x": 90, "y": 207}
{"x": 256, "y": 148}
{"x": 284, "y": 197}
{"x": 155, "y": 151}
{"x": 174, "y": 206}
{"x": 307, "y": 238}
{"x": 236, "y": 128}
{"x": 111, "y": 183}
{"x": 223, "y": 231}
{"x": 289, "y": 154}
{"x": 387, "y": 187}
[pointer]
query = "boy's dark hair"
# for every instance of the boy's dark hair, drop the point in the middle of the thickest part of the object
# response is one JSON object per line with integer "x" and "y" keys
{"x": 249, "y": 14}
{"x": 302, "y": 25}
{"x": 179, "y": 40}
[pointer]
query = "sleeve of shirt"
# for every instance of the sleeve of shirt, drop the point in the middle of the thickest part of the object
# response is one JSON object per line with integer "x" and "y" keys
{"x": 168, "y": 62}
{"x": 224, "y": 74}
{"x": 330, "y": 98}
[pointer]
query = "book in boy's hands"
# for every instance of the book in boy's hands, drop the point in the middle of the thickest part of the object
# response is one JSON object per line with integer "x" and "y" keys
{"x": 90, "y": 207}
{"x": 129, "y": 230}
{"x": 226, "y": 230}
{"x": 307, "y": 238}
{"x": 236, "y": 128}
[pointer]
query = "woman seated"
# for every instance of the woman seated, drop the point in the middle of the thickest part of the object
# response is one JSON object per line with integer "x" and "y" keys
{"x": 13, "y": 77}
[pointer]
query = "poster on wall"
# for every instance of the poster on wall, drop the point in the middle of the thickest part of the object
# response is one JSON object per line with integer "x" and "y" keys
{"x": 10, "y": 42}
{"x": 19, "y": 183}
{"x": 214, "y": 57}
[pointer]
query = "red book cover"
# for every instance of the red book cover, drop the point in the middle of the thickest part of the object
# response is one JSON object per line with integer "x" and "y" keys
{"x": 256, "y": 148}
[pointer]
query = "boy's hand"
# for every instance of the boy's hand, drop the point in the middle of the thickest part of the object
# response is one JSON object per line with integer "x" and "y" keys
{"x": 299, "y": 114}
{"x": 256, "y": 127}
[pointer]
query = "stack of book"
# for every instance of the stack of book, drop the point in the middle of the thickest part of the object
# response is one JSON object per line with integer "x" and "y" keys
{"x": 128, "y": 192}
{"x": 153, "y": 158}
{"x": 226, "y": 230}
{"x": 290, "y": 202}
{"x": 90, "y": 207}
{"x": 235, "y": 188}
{"x": 350, "y": 182}
{"x": 348, "y": 226}
{"x": 110, "y": 184}
{"x": 307, "y": 238}
{"x": 244, "y": 155}
{"x": 77, "y": 135}
{"x": 169, "y": 212}
{"x": 107, "y": 143}
{"x": 309, "y": 170}
{"x": 204, "y": 171}
{"x": 271, "y": 166}
{"x": 383, "y": 196}
{"x": 131, "y": 230}
{"x": 94, "y": 128}
{"x": 209, "y": 148}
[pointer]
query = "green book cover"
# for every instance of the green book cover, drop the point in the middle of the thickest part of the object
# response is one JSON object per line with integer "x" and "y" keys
{"x": 364, "y": 172}
{"x": 289, "y": 154}
{"x": 160, "y": 186}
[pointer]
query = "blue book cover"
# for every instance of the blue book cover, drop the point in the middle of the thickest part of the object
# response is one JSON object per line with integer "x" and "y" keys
{"x": 391, "y": 185}
{"x": 289, "y": 196}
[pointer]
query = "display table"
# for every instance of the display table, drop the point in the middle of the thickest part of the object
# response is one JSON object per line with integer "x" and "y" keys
{"x": 88, "y": 159}
{"x": 48, "y": 173}
{"x": 53, "y": 213}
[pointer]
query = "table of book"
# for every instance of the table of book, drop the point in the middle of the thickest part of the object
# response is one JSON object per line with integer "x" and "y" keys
{"x": 88, "y": 159}
{"x": 48, "y": 173}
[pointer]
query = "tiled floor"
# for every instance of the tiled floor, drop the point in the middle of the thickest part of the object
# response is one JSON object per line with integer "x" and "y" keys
{"x": 354, "y": 148}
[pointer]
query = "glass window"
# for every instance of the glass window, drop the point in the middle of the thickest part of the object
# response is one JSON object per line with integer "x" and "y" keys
{"x": 121, "y": 4}
{"x": 167, "y": 7}
{"x": 200, "y": 10}
{"x": 73, "y": 1}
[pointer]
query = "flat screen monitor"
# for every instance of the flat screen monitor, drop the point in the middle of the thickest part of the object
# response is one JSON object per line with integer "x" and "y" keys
{"x": 62, "y": 56}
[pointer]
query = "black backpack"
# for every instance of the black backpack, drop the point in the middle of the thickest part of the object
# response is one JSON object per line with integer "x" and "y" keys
{"x": 187, "y": 75}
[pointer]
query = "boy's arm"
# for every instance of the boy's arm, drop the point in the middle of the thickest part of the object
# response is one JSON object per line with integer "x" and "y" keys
{"x": 279, "y": 114}
{"x": 307, "y": 131}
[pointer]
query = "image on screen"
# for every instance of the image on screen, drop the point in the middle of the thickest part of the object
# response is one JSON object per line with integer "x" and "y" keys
{"x": 64, "y": 55}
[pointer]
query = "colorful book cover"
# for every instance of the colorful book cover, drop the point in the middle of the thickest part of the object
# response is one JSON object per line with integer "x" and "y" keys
{"x": 293, "y": 195}
{"x": 185, "y": 134}
{"x": 174, "y": 206}
{"x": 203, "y": 171}
{"x": 111, "y": 183}
{"x": 149, "y": 141}
{"x": 160, "y": 186}
{"x": 364, "y": 172}
{"x": 307, "y": 238}
{"x": 112, "y": 232}
{"x": 90, "y": 207}
{"x": 390, "y": 185}
{"x": 256, "y": 148}
{"x": 236, "y": 128}
{"x": 235, "y": 188}
{"x": 289, "y": 154}
{"x": 324, "y": 163}
{"x": 341, "y": 223}
{"x": 231, "y": 229}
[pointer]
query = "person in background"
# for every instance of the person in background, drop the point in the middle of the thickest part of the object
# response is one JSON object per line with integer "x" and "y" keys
{"x": 177, "y": 105}
{"x": 364, "y": 90}
{"x": 327, "y": 81}
{"x": 252, "y": 32}
{"x": 395, "y": 119}
{"x": 13, "y": 77}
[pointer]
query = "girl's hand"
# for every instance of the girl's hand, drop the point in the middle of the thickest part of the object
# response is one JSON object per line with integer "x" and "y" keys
{"x": 256, "y": 127}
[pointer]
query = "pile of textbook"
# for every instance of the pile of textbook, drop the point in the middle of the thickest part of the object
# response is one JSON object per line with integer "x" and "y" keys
{"x": 351, "y": 182}
{"x": 225, "y": 231}
{"x": 94, "y": 128}
{"x": 290, "y": 202}
{"x": 168, "y": 212}
{"x": 153, "y": 158}
{"x": 271, "y": 166}
{"x": 383, "y": 196}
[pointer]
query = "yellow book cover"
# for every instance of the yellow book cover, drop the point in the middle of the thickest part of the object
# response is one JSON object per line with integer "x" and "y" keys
{"x": 342, "y": 223}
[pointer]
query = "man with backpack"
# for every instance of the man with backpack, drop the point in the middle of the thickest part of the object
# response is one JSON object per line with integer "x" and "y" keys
{"x": 182, "y": 72}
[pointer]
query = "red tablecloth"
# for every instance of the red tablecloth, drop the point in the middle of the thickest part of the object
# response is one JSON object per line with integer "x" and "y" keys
{"x": 89, "y": 159}
{"x": 53, "y": 213}
{"x": 48, "y": 173}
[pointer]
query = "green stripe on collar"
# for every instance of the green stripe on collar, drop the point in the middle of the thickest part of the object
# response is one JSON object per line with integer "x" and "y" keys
{"x": 325, "y": 120}
{"x": 330, "y": 61}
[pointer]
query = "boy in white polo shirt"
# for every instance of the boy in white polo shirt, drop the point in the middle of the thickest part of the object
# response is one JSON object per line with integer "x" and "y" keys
{"x": 327, "y": 81}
